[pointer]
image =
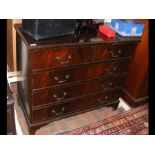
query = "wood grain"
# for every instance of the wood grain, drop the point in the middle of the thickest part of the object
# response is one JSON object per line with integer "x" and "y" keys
{"x": 50, "y": 90}
{"x": 136, "y": 88}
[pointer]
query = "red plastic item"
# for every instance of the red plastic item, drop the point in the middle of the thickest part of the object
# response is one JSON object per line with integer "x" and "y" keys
{"x": 108, "y": 32}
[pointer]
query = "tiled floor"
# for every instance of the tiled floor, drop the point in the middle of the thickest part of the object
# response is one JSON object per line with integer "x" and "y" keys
{"x": 64, "y": 124}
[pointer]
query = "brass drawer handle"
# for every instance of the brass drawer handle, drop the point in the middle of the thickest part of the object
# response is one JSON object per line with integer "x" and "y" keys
{"x": 62, "y": 81}
{"x": 113, "y": 70}
{"x": 58, "y": 113}
{"x": 106, "y": 97}
{"x": 64, "y": 61}
{"x": 115, "y": 55}
{"x": 100, "y": 100}
{"x": 60, "y": 98}
{"x": 105, "y": 88}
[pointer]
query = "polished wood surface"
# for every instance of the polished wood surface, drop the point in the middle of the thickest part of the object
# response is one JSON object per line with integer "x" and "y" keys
{"x": 59, "y": 57}
{"x": 48, "y": 78}
{"x": 61, "y": 93}
{"x": 61, "y": 77}
{"x": 136, "y": 88}
{"x": 114, "y": 52}
{"x": 79, "y": 104}
{"x": 63, "y": 41}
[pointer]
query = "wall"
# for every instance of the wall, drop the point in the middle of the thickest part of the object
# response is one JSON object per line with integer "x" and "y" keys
{"x": 11, "y": 44}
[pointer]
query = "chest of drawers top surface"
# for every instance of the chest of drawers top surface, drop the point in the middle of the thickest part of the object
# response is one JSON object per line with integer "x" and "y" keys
{"x": 82, "y": 39}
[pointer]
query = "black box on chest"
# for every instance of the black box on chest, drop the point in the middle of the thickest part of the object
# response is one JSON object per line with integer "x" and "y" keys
{"x": 47, "y": 28}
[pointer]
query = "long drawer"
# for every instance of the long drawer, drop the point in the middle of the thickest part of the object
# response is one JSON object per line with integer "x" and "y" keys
{"x": 108, "y": 53}
{"x": 48, "y": 78}
{"x": 59, "y": 57}
{"x": 64, "y": 108}
{"x": 56, "y": 94}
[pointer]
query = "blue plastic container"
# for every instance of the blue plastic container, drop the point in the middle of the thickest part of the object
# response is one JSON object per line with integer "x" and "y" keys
{"x": 127, "y": 28}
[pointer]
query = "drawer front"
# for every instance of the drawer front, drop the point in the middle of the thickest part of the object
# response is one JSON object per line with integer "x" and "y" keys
{"x": 74, "y": 106}
{"x": 106, "y": 53}
{"x": 53, "y": 58}
{"x": 52, "y": 78}
{"x": 47, "y": 96}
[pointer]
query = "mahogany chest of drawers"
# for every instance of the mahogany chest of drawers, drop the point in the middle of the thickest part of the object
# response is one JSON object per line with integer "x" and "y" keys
{"x": 65, "y": 76}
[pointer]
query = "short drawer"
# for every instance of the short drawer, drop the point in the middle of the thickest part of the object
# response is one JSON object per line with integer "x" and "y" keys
{"x": 87, "y": 72}
{"x": 107, "y": 53}
{"x": 46, "y": 96}
{"x": 58, "y": 57}
{"x": 61, "y": 109}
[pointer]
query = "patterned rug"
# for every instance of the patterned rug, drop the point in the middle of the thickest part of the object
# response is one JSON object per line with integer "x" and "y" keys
{"x": 132, "y": 122}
